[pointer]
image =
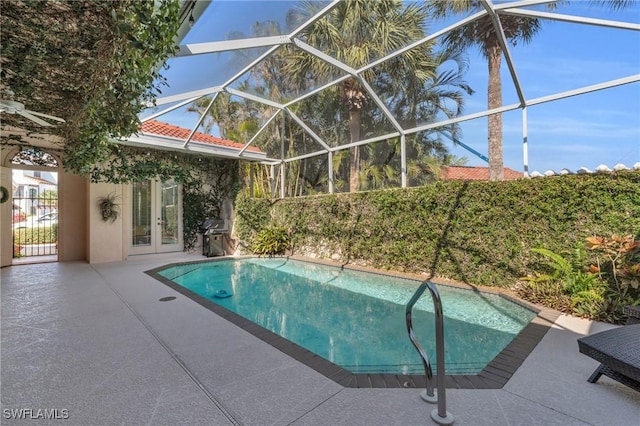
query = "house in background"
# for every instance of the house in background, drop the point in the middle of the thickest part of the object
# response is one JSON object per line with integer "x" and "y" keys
{"x": 29, "y": 191}
{"x": 474, "y": 173}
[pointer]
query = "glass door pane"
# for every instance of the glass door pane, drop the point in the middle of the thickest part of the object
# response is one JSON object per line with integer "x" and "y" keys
{"x": 141, "y": 213}
{"x": 169, "y": 214}
{"x": 156, "y": 217}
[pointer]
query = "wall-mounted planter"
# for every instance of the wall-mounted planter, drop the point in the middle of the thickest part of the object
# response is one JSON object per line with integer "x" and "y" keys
{"x": 109, "y": 209}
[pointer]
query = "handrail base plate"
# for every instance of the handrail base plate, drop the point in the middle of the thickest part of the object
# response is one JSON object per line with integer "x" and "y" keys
{"x": 430, "y": 399}
{"x": 445, "y": 421}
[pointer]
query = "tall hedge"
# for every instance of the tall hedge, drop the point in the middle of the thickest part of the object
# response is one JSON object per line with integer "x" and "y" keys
{"x": 475, "y": 232}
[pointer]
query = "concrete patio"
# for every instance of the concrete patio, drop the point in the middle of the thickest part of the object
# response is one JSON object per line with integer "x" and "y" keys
{"x": 95, "y": 343}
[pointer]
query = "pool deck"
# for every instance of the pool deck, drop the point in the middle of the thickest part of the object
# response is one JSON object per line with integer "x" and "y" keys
{"x": 95, "y": 343}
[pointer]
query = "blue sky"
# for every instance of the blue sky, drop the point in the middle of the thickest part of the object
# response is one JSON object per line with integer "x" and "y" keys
{"x": 587, "y": 130}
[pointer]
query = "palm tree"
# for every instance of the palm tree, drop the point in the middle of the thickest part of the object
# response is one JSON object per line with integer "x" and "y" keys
{"x": 419, "y": 102}
{"x": 482, "y": 33}
{"x": 357, "y": 32}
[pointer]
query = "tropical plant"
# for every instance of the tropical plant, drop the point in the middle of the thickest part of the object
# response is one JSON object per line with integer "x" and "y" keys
{"x": 618, "y": 262}
{"x": 422, "y": 103}
{"x": 558, "y": 268}
{"x": 482, "y": 33}
{"x": 621, "y": 259}
{"x": 413, "y": 96}
{"x": 271, "y": 240}
{"x": 357, "y": 32}
{"x": 599, "y": 290}
{"x": 571, "y": 277}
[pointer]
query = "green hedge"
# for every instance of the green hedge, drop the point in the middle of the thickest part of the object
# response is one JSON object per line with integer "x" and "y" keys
{"x": 38, "y": 235}
{"x": 475, "y": 232}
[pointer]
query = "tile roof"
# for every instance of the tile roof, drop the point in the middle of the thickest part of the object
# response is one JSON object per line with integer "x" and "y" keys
{"x": 154, "y": 127}
{"x": 474, "y": 173}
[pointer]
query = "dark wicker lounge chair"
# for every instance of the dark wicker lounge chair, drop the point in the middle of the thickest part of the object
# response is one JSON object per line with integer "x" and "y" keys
{"x": 633, "y": 314}
{"x": 618, "y": 351}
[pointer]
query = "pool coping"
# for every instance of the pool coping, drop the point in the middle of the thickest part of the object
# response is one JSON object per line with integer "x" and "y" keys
{"x": 494, "y": 376}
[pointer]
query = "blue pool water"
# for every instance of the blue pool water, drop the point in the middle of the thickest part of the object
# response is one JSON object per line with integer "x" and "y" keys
{"x": 356, "y": 319}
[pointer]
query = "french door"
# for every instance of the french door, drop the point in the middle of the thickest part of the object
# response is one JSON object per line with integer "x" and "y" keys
{"x": 156, "y": 217}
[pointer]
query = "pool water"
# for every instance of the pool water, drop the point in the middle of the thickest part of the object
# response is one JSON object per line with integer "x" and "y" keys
{"x": 356, "y": 319}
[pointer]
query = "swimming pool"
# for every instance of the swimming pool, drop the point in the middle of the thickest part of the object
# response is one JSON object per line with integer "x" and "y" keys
{"x": 355, "y": 319}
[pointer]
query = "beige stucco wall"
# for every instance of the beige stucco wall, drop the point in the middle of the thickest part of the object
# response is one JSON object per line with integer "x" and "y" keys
{"x": 72, "y": 214}
{"x": 105, "y": 239}
{"x": 82, "y": 234}
{"x": 6, "y": 237}
{"x": 72, "y": 217}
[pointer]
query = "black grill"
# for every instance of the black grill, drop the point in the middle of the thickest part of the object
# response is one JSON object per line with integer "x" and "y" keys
{"x": 213, "y": 226}
{"x": 214, "y": 233}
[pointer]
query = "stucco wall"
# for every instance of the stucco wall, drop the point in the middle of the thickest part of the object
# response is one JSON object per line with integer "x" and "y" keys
{"x": 72, "y": 220}
{"x": 105, "y": 239}
{"x": 6, "y": 238}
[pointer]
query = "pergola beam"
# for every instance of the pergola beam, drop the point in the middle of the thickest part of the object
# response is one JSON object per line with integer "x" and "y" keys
{"x": 522, "y": 3}
{"x": 502, "y": 40}
{"x": 423, "y": 41}
{"x": 314, "y": 18}
{"x": 568, "y": 18}
{"x": 264, "y": 126}
{"x": 166, "y": 110}
{"x": 195, "y": 94}
{"x": 308, "y": 130}
{"x": 230, "y": 45}
{"x": 585, "y": 89}
{"x": 367, "y": 141}
{"x": 200, "y": 119}
{"x": 254, "y": 98}
{"x": 323, "y": 56}
{"x": 317, "y": 90}
{"x": 494, "y": 11}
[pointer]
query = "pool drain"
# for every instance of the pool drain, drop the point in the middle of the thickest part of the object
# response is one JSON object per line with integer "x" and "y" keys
{"x": 167, "y": 299}
{"x": 222, "y": 294}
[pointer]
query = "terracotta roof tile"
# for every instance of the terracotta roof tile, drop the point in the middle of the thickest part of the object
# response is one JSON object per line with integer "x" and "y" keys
{"x": 474, "y": 173}
{"x": 159, "y": 128}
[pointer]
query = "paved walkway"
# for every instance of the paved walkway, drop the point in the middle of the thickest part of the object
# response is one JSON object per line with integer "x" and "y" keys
{"x": 93, "y": 345}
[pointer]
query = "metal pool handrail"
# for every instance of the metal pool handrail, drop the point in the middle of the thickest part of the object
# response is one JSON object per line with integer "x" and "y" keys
{"x": 439, "y": 415}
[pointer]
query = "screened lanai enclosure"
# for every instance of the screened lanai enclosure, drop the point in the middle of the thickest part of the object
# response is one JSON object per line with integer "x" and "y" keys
{"x": 347, "y": 96}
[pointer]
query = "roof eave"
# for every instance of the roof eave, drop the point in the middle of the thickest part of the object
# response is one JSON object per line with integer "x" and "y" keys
{"x": 175, "y": 144}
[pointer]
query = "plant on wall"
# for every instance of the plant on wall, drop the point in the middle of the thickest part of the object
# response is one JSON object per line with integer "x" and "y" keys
{"x": 213, "y": 181}
{"x": 95, "y": 63}
{"x": 109, "y": 209}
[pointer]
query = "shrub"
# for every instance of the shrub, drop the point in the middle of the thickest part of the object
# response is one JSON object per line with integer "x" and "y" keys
{"x": 475, "y": 232}
{"x": 270, "y": 241}
{"x": 618, "y": 262}
{"x": 38, "y": 235}
{"x": 599, "y": 291}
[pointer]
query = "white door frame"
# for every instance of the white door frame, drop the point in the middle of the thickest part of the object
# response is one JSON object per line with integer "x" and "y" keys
{"x": 148, "y": 238}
